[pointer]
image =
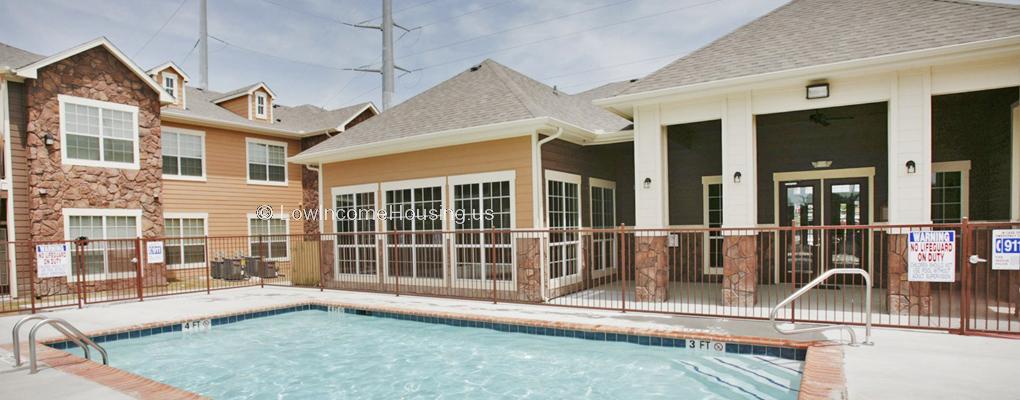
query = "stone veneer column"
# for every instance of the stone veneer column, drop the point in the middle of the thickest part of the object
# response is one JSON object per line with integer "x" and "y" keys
{"x": 740, "y": 270}
{"x": 904, "y": 296}
{"x": 651, "y": 267}
{"x": 529, "y": 269}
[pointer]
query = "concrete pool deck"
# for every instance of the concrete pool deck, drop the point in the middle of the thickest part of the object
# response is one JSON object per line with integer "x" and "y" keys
{"x": 902, "y": 364}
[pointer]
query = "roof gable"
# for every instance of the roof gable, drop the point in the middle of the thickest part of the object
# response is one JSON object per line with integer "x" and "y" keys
{"x": 171, "y": 65}
{"x": 244, "y": 91}
{"x": 805, "y": 33}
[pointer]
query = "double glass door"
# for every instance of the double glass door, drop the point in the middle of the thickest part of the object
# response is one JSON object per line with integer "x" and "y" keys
{"x": 806, "y": 205}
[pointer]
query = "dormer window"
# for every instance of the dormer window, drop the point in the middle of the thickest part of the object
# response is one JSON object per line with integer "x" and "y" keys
{"x": 170, "y": 84}
{"x": 260, "y": 105}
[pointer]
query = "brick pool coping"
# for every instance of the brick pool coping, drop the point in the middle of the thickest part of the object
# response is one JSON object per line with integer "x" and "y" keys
{"x": 823, "y": 372}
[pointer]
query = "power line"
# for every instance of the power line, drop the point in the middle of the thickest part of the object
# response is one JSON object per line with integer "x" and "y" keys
{"x": 398, "y": 11}
{"x": 165, "y": 23}
{"x": 643, "y": 60}
{"x": 303, "y": 12}
{"x": 277, "y": 56}
{"x": 497, "y": 4}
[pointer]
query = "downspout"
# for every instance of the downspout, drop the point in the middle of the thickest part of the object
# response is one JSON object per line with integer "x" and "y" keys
{"x": 538, "y": 188}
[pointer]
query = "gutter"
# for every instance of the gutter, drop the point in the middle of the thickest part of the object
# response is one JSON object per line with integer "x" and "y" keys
{"x": 537, "y": 186}
{"x": 172, "y": 116}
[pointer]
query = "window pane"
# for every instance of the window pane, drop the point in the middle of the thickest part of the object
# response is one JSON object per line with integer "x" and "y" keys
{"x": 190, "y": 146}
{"x": 276, "y": 155}
{"x": 257, "y": 172}
{"x": 172, "y": 227}
{"x": 118, "y": 150}
{"x": 81, "y": 119}
{"x": 169, "y": 142}
{"x": 258, "y": 227}
{"x": 191, "y": 166}
{"x": 82, "y": 147}
{"x": 277, "y": 174}
{"x": 120, "y": 227}
{"x": 170, "y": 165}
{"x": 256, "y": 153}
{"x": 118, "y": 124}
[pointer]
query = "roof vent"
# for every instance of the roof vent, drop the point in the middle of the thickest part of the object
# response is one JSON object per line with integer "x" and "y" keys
{"x": 278, "y": 120}
{"x": 633, "y": 80}
{"x": 556, "y": 91}
{"x": 476, "y": 67}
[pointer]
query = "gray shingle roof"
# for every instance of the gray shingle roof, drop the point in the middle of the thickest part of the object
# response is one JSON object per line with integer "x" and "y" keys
{"x": 14, "y": 57}
{"x": 298, "y": 120}
{"x": 805, "y": 33}
{"x": 608, "y": 90}
{"x": 483, "y": 95}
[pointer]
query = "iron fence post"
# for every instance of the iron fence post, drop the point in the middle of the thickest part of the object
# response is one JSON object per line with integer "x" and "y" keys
{"x": 263, "y": 251}
{"x": 623, "y": 269}
{"x": 31, "y": 275}
{"x": 396, "y": 257}
{"x": 965, "y": 292}
{"x": 492, "y": 258}
{"x": 138, "y": 269}
{"x": 208, "y": 268}
{"x": 78, "y": 244}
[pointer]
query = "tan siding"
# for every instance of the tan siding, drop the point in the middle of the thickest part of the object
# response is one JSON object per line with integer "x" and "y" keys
{"x": 225, "y": 195}
{"x": 237, "y": 106}
{"x": 19, "y": 175}
{"x": 269, "y": 107}
{"x": 498, "y": 155}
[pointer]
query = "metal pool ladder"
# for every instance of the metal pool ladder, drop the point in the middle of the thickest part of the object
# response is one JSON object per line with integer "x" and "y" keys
{"x": 62, "y": 326}
{"x": 816, "y": 282}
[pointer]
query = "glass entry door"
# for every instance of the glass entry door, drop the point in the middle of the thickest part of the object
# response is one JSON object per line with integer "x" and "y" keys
{"x": 800, "y": 206}
{"x": 846, "y": 205}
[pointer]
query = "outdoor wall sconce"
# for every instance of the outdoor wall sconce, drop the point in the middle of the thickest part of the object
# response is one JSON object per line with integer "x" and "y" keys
{"x": 648, "y": 183}
{"x": 817, "y": 91}
{"x": 736, "y": 177}
{"x": 48, "y": 139}
{"x": 911, "y": 167}
{"x": 821, "y": 164}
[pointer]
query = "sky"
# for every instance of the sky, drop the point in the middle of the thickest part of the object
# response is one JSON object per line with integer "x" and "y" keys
{"x": 301, "y": 48}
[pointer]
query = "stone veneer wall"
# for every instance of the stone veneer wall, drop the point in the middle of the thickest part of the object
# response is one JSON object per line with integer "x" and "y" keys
{"x": 94, "y": 74}
{"x": 651, "y": 268}
{"x": 740, "y": 271}
{"x": 905, "y": 297}
{"x": 529, "y": 269}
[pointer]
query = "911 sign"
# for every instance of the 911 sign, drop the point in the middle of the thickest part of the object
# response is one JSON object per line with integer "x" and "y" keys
{"x": 1006, "y": 249}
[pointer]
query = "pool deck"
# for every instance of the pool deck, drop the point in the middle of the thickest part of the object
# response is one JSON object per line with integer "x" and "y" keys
{"x": 902, "y": 364}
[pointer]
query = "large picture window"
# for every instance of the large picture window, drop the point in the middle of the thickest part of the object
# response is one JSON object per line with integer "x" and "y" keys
{"x": 183, "y": 153}
{"x": 483, "y": 242}
{"x": 355, "y": 230}
{"x": 185, "y": 240}
{"x": 415, "y": 244}
{"x": 603, "y": 216}
{"x": 267, "y": 162}
{"x": 563, "y": 202}
{"x": 97, "y": 133}
{"x": 103, "y": 257}
{"x": 268, "y": 237}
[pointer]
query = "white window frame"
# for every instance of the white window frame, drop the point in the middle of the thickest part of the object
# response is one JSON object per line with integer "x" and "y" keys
{"x": 558, "y": 176}
{"x": 610, "y": 239}
{"x": 101, "y": 163}
{"x": 205, "y": 228}
{"x": 265, "y": 105}
{"x": 99, "y": 212}
{"x": 175, "y": 82}
{"x": 247, "y": 162}
{"x": 706, "y": 263}
{"x": 480, "y": 178}
{"x": 963, "y": 167}
{"x": 355, "y": 190}
{"x": 192, "y": 132}
{"x": 414, "y": 184}
{"x": 252, "y": 239}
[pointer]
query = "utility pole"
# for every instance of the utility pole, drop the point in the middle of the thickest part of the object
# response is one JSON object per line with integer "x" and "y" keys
{"x": 203, "y": 45}
{"x": 387, "y": 52}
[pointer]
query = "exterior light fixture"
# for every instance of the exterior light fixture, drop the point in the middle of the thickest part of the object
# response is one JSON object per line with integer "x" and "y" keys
{"x": 911, "y": 167}
{"x": 648, "y": 183}
{"x": 48, "y": 139}
{"x": 821, "y": 163}
{"x": 818, "y": 90}
{"x": 736, "y": 177}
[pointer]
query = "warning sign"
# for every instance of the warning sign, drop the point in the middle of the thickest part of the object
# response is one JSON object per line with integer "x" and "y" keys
{"x": 52, "y": 260}
{"x": 932, "y": 256}
{"x": 1006, "y": 249}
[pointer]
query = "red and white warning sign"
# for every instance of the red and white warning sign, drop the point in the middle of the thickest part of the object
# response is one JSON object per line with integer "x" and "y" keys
{"x": 931, "y": 256}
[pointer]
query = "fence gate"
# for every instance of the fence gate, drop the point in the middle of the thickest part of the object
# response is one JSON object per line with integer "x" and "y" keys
{"x": 990, "y": 295}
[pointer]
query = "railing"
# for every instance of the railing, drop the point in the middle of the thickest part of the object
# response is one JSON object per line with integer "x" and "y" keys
{"x": 62, "y": 326}
{"x": 723, "y": 272}
{"x": 811, "y": 285}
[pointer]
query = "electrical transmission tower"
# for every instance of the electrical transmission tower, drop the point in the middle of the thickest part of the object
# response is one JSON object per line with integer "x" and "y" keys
{"x": 387, "y": 52}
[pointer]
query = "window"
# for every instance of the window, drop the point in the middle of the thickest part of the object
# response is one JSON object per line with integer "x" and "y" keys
{"x": 183, "y": 153}
{"x": 268, "y": 237}
{"x": 260, "y": 105}
{"x": 563, "y": 203}
{"x": 410, "y": 207}
{"x": 603, "y": 216}
{"x": 950, "y": 183}
{"x": 185, "y": 240}
{"x": 483, "y": 207}
{"x": 712, "y": 201}
{"x": 103, "y": 257}
{"x": 170, "y": 83}
{"x": 355, "y": 228}
{"x": 267, "y": 162}
{"x": 97, "y": 133}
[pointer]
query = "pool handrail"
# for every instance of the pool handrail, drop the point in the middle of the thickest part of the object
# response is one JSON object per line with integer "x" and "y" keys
{"x": 811, "y": 285}
{"x": 69, "y": 331}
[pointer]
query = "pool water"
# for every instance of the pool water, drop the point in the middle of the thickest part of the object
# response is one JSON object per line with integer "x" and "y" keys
{"x": 327, "y": 355}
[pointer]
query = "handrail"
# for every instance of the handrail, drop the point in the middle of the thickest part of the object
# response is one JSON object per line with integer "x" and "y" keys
{"x": 70, "y": 332}
{"x": 811, "y": 285}
{"x": 16, "y": 339}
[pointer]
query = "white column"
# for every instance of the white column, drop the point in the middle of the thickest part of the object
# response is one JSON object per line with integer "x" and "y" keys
{"x": 651, "y": 203}
{"x": 740, "y": 200}
{"x": 1014, "y": 198}
{"x": 910, "y": 140}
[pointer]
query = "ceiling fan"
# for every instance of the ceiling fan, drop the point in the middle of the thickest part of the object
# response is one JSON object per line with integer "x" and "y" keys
{"x": 824, "y": 119}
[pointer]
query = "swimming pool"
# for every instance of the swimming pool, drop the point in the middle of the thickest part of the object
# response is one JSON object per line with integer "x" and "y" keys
{"x": 314, "y": 353}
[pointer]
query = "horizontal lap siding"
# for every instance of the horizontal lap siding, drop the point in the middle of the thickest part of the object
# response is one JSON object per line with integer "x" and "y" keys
{"x": 225, "y": 195}
{"x": 497, "y": 155}
{"x": 19, "y": 176}
{"x": 611, "y": 162}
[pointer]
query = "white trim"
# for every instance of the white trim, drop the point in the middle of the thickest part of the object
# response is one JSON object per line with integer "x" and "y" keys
{"x": 557, "y": 176}
{"x": 414, "y": 184}
{"x": 483, "y": 177}
{"x": 169, "y": 64}
{"x": 247, "y": 158}
{"x": 478, "y": 179}
{"x": 286, "y": 234}
{"x": 251, "y": 89}
{"x": 182, "y": 131}
{"x": 265, "y": 105}
{"x": 5, "y": 118}
{"x": 101, "y": 163}
{"x": 205, "y": 230}
{"x": 614, "y": 246}
{"x": 101, "y": 212}
{"x": 174, "y": 79}
{"x": 343, "y": 125}
{"x": 963, "y": 167}
{"x": 706, "y": 251}
{"x": 175, "y": 115}
{"x": 354, "y": 190}
{"x": 822, "y": 175}
{"x": 31, "y": 71}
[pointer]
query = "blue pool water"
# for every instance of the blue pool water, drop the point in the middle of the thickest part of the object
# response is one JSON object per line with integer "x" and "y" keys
{"x": 319, "y": 355}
